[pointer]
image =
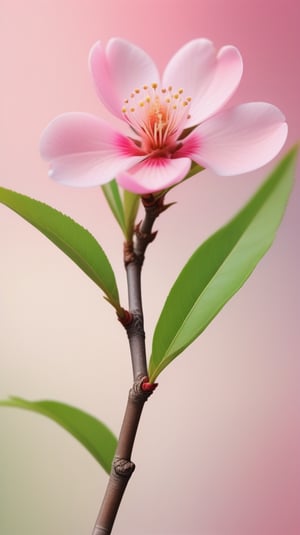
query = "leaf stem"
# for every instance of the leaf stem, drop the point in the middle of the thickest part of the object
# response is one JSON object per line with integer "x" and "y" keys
{"x": 122, "y": 466}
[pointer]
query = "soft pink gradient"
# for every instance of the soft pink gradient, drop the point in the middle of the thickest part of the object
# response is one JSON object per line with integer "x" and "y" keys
{"x": 218, "y": 448}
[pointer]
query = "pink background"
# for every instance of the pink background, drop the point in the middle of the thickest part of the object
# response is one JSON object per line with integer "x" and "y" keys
{"x": 218, "y": 448}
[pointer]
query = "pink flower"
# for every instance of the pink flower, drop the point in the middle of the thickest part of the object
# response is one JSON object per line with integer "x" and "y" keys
{"x": 171, "y": 121}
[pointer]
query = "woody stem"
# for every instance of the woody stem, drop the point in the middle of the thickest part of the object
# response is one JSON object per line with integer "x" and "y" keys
{"x": 122, "y": 466}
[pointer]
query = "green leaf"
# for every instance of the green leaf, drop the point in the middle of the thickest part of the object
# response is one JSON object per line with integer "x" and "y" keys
{"x": 89, "y": 431}
{"x": 75, "y": 241}
{"x": 112, "y": 195}
{"x": 131, "y": 206}
{"x": 219, "y": 267}
{"x": 194, "y": 170}
{"x": 124, "y": 211}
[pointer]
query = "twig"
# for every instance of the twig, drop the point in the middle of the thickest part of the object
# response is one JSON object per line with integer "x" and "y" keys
{"x": 122, "y": 466}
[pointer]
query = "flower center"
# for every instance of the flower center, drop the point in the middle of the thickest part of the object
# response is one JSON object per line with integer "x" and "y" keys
{"x": 157, "y": 115}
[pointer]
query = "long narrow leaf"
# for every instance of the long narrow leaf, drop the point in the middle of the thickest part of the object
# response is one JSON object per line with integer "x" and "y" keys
{"x": 131, "y": 206}
{"x": 89, "y": 431}
{"x": 74, "y": 240}
{"x": 112, "y": 195}
{"x": 219, "y": 267}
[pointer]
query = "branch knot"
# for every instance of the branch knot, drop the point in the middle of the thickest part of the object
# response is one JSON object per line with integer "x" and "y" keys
{"x": 128, "y": 253}
{"x": 136, "y": 325}
{"x": 141, "y": 390}
{"x": 123, "y": 467}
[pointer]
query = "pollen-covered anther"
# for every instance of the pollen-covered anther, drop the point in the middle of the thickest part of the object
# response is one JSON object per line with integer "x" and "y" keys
{"x": 157, "y": 115}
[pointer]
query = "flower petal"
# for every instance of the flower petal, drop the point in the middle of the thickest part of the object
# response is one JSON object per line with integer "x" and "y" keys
{"x": 154, "y": 174}
{"x": 208, "y": 78}
{"x": 118, "y": 70}
{"x": 191, "y": 68}
{"x": 227, "y": 75}
{"x": 85, "y": 151}
{"x": 237, "y": 140}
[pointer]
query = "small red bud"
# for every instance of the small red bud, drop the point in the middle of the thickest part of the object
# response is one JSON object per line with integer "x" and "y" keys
{"x": 126, "y": 318}
{"x": 149, "y": 387}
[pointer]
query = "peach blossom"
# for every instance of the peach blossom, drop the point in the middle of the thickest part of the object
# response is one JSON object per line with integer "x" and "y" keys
{"x": 171, "y": 121}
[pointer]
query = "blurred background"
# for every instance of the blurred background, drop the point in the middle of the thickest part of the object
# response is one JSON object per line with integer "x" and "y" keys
{"x": 217, "y": 452}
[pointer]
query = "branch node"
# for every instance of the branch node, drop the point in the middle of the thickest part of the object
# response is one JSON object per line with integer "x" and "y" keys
{"x": 141, "y": 390}
{"x": 128, "y": 253}
{"x": 136, "y": 326}
{"x": 125, "y": 318}
{"x": 143, "y": 236}
{"x": 123, "y": 467}
{"x": 149, "y": 200}
{"x": 148, "y": 387}
{"x": 154, "y": 204}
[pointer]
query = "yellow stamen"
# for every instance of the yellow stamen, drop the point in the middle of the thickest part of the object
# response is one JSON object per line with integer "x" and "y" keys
{"x": 162, "y": 118}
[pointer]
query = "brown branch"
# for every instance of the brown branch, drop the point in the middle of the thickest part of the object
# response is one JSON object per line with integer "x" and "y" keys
{"x": 123, "y": 467}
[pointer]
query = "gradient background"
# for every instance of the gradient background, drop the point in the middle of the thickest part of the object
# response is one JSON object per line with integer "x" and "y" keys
{"x": 218, "y": 448}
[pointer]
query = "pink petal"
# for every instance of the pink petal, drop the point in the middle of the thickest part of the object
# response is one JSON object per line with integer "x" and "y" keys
{"x": 118, "y": 70}
{"x": 154, "y": 174}
{"x": 237, "y": 140}
{"x": 226, "y": 78}
{"x": 192, "y": 69}
{"x": 85, "y": 151}
{"x": 208, "y": 78}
